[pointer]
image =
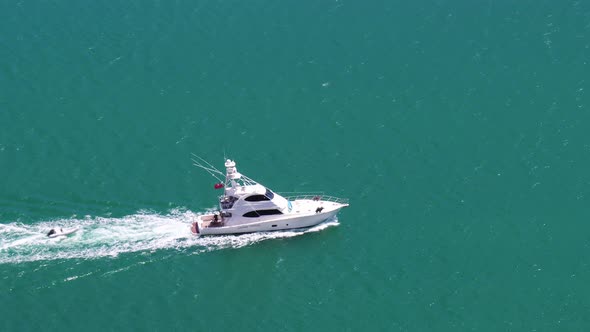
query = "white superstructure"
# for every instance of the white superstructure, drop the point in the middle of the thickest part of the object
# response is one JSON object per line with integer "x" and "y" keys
{"x": 247, "y": 206}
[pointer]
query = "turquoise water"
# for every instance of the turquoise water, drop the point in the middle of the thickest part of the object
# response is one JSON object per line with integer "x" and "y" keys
{"x": 458, "y": 130}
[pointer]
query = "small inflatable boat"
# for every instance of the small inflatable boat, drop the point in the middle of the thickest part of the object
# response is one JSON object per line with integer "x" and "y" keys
{"x": 61, "y": 232}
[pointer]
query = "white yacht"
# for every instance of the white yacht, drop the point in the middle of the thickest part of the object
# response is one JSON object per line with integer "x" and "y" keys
{"x": 247, "y": 206}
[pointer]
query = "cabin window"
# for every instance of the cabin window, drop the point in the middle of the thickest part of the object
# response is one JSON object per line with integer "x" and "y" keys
{"x": 258, "y": 213}
{"x": 268, "y": 195}
{"x": 257, "y": 198}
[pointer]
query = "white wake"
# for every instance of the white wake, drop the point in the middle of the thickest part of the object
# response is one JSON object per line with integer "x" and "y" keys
{"x": 108, "y": 237}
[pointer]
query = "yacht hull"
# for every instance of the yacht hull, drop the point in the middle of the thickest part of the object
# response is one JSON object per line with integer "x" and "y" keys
{"x": 272, "y": 224}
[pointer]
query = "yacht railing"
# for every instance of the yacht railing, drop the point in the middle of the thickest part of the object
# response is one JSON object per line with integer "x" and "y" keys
{"x": 318, "y": 197}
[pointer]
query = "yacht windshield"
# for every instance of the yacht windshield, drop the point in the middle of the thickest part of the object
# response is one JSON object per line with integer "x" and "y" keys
{"x": 269, "y": 194}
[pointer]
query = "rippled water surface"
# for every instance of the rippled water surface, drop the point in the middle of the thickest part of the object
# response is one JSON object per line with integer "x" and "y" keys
{"x": 458, "y": 130}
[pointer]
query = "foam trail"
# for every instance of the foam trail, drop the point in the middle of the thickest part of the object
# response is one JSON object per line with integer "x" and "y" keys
{"x": 109, "y": 237}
